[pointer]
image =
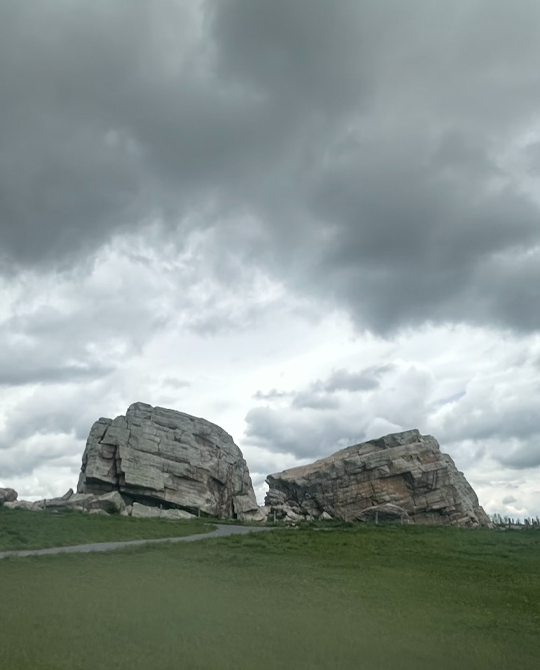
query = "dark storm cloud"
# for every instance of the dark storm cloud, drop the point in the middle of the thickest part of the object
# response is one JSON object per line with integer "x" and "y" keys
{"x": 363, "y": 142}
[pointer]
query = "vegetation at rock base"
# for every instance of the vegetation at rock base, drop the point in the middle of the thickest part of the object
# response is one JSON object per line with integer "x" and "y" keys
{"x": 20, "y": 529}
{"x": 373, "y": 597}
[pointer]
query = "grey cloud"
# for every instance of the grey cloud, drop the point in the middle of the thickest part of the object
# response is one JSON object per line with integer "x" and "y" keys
{"x": 306, "y": 434}
{"x": 273, "y": 394}
{"x": 82, "y": 339}
{"x": 176, "y": 383}
{"x": 449, "y": 399}
{"x": 320, "y": 394}
{"x": 526, "y": 455}
{"x": 50, "y": 429}
{"x": 308, "y": 399}
{"x": 363, "y": 142}
{"x": 343, "y": 380}
{"x": 491, "y": 417}
{"x": 30, "y": 373}
{"x": 508, "y": 500}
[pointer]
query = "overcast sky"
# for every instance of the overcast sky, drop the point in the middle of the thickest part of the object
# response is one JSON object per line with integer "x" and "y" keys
{"x": 310, "y": 222}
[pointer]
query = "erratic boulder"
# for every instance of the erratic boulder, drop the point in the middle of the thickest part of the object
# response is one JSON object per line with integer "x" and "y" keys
{"x": 7, "y": 496}
{"x": 156, "y": 456}
{"x": 405, "y": 475}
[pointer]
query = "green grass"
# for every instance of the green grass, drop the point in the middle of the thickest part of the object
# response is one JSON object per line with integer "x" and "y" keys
{"x": 373, "y": 598}
{"x": 21, "y": 529}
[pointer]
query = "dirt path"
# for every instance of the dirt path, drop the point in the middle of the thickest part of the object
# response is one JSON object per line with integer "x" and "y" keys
{"x": 221, "y": 531}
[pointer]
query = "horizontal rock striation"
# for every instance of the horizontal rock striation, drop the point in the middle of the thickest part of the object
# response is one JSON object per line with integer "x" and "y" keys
{"x": 405, "y": 470}
{"x": 161, "y": 457}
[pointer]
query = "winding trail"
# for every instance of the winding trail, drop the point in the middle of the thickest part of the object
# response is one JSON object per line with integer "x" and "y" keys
{"x": 221, "y": 531}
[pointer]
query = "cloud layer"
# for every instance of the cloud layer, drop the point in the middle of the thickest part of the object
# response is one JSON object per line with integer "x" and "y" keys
{"x": 194, "y": 195}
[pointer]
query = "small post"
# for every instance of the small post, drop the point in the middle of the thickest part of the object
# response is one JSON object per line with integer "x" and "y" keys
{"x": 274, "y": 516}
{"x": 199, "y": 512}
{"x": 376, "y": 517}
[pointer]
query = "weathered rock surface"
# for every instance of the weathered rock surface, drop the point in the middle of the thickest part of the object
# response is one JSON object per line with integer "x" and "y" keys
{"x": 146, "y": 512}
{"x": 407, "y": 470}
{"x": 7, "y": 496}
{"x": 382, "y": 513}
{"x": 160, "y": 456}
{"x": 110, "y": 503}
{"x": 23, "y": 504}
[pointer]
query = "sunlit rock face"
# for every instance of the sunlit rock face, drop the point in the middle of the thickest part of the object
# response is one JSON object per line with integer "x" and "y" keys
{"x": 158, "y": 456}
{"x": 407, "y": 470}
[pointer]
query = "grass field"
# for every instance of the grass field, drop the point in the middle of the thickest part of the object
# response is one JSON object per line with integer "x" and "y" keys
{"x": 373, "y": 598}
{"x": 20, "y": 529}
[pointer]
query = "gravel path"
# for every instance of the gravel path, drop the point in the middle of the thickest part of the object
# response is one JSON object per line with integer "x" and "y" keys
{"x": 221, "y": 531}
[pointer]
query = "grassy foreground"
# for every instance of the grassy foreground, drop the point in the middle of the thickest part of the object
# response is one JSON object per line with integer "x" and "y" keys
{"x": 20, "y": 529}
{"x": 373, "y": 598}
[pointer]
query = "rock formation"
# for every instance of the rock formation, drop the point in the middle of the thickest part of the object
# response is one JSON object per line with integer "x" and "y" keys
{"x": 7, "y": 496}
{"x": 160, "y": 457}
{"x": 406, "y": 474}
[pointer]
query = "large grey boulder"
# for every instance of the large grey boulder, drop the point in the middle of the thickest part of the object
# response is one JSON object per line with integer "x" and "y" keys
{"x": 407, "y": 470}
{"x": 7, "y": 496}
{"x": 161, "y": 456}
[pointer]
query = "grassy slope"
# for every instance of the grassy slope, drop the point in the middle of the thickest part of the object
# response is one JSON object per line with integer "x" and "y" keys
{"x": 373, "y": 597}
{"x": 20, "y": 529}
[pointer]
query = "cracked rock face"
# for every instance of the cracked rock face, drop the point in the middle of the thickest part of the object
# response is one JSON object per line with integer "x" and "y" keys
{"x": 158, "y": 456}
{"x": 407, "y": 470}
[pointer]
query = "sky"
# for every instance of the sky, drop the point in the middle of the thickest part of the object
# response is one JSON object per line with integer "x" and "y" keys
{"x": 313, "y": 223}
